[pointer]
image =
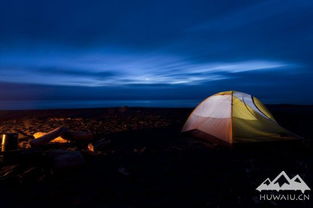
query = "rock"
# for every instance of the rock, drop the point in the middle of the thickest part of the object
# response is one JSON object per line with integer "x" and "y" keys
{"x": 123, "y": 171}
{"x": 24, "y": 145}
{"x": 8, "y": 170}
{"x": 66, "y": 159}
{"x": 102, "y": 143}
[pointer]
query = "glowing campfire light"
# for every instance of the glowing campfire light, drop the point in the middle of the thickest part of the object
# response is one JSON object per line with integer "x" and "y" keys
{"x": 3, "y": 142}
{"x": 91, "y": 148}
{"x": 59, "y": 139}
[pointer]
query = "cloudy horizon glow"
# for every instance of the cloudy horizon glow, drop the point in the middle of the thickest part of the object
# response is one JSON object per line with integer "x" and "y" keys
{"x": 156, "y": 50}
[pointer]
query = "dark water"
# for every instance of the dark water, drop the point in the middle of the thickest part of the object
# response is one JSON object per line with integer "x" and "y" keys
{"x": 64, "y": 104}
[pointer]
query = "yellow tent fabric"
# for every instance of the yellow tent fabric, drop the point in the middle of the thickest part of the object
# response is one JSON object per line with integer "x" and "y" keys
{"x": 235, "y": 117}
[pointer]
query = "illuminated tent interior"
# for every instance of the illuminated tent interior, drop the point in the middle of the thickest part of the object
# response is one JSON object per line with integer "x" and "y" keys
{"x": 235, "y": 117}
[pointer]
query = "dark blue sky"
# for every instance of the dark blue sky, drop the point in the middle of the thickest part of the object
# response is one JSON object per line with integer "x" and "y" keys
{"x": 143, "y": 49}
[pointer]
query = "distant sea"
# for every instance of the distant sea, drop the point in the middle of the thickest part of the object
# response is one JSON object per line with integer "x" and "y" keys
{"x": 70, "y": 104}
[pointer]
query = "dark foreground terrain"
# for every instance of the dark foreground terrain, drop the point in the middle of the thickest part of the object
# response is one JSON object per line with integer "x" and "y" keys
{"x": 142, "y": 160}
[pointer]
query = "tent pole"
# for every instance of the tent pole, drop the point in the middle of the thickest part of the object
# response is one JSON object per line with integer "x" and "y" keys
{"x": 231, "y": 118}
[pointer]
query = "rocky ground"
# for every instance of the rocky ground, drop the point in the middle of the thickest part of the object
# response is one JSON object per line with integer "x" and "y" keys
{"x": 142, "y": 160}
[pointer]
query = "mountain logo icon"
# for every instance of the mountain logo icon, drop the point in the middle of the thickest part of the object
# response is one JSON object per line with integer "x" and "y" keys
{"x": 282, "y": 183}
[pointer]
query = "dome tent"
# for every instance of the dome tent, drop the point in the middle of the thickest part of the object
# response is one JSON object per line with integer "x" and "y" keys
{"x": 235, "y": 117}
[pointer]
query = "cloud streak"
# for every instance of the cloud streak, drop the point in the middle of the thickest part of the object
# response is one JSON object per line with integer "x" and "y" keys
{"x": 98, "y": 68}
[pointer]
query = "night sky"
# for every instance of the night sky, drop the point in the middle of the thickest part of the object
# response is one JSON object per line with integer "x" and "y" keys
{"x": 140, "y": 49}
